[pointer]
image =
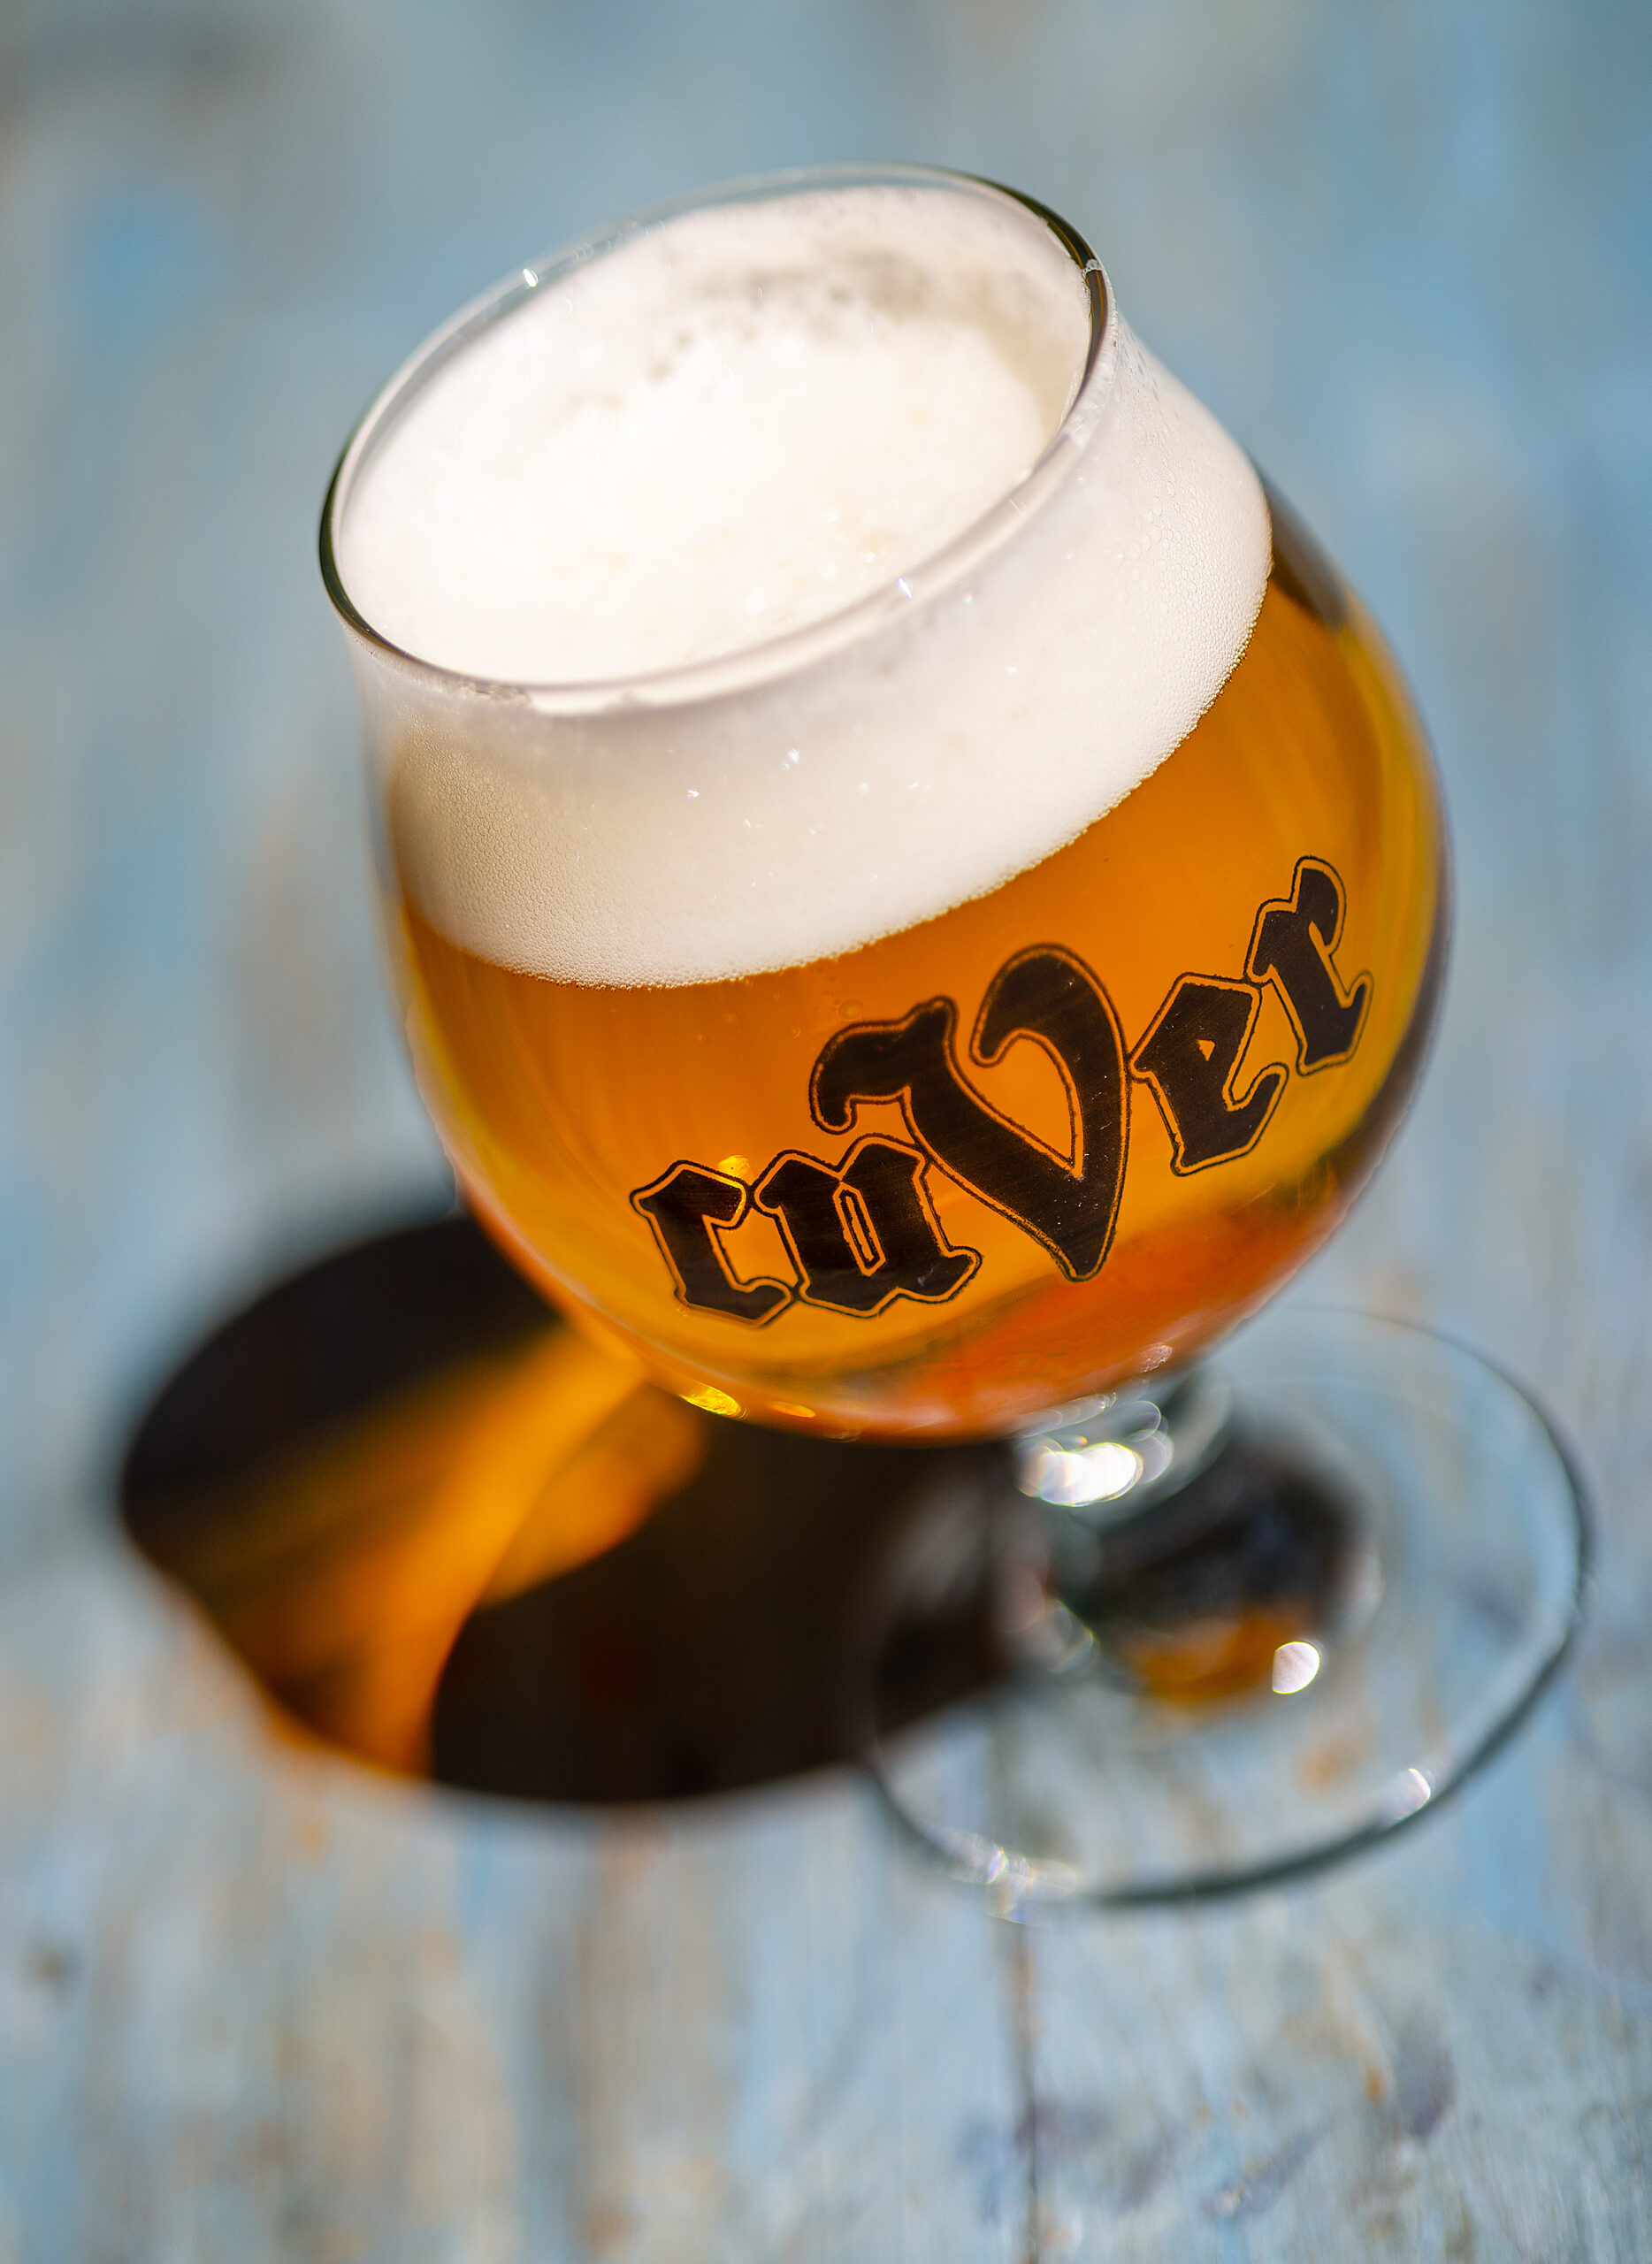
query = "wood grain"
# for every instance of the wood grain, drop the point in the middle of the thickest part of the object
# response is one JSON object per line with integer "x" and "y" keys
{"x": 254, "y": 2005}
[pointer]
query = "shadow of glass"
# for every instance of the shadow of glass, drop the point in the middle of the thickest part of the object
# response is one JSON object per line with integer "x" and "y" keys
{"x": 447, "y": 1536}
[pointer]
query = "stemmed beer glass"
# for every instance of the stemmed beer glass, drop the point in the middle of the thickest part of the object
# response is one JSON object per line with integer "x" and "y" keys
{"x": 947, "y": 1014}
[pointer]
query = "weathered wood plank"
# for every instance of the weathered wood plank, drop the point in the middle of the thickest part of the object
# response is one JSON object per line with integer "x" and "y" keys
{"x": 263, "y": 2004}
{"x": 252, "y": 2004}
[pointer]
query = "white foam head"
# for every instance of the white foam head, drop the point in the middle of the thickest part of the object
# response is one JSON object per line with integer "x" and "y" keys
{"x": 795, "y": 419}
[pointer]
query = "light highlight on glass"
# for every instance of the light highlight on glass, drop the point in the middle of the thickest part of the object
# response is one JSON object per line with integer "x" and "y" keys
{"x": 1295, "y": 1667}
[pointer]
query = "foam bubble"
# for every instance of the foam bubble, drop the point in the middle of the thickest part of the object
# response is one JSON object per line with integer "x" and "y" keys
{"x": 735, "y": 424}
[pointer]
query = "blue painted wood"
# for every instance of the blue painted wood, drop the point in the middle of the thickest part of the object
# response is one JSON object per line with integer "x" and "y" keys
{"x": 254, "y": 2005}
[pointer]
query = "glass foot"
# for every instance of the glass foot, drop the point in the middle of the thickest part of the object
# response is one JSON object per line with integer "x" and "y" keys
{"x": 1365, "y": 1569}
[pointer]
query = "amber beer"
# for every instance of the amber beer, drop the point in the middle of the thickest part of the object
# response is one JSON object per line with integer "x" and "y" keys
{"x": 1068, "y": 1126}
{"x": 560, "y": 1101}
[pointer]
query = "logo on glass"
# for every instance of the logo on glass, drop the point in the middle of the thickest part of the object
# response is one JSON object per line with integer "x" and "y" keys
{"x": 864, "y": 1231}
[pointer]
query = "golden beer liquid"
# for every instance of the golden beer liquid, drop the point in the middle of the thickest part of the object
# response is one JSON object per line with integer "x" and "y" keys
{"x": 557, "y": 1101}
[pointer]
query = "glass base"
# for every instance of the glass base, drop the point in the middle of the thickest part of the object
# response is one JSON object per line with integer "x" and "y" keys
{"x": 1370, "y": 1574}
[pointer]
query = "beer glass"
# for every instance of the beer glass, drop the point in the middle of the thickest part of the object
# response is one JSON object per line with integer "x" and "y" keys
{"x": 943, "y": 1021}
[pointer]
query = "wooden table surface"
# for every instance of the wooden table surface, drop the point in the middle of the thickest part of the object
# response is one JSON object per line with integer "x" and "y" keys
{"x": 258, "y": 2004}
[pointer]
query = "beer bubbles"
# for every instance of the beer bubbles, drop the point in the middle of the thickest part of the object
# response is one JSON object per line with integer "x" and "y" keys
{"x": 731, "y": 463}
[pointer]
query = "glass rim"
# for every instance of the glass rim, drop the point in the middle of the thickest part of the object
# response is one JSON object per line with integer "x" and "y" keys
{"x": 746, "y": 666}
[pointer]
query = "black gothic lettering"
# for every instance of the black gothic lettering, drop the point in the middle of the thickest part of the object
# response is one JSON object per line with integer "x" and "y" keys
{"x": 1291, "y": 948}
{"x": 685, "y": 1207}
{"x": 1188, "y": 1058}
{"x": 1068, "y": 1203}
{"x": 866, "y": 1234}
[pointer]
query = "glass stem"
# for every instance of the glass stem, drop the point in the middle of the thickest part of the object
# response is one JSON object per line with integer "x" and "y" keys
{"x": 1173, "y": 1549}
